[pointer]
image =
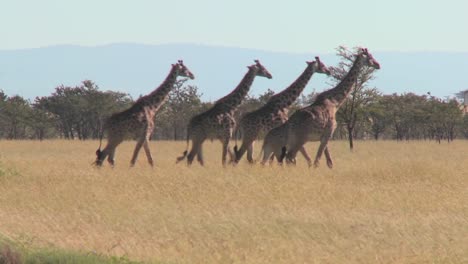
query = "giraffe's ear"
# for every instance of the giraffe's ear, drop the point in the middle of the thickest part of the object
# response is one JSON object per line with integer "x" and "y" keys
{"x": 309, "y": 62}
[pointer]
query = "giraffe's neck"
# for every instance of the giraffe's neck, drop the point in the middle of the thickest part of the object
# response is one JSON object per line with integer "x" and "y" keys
{"x": 285, "y": 98}
{"x": 157, "y": 97}
{"x": 339, "y": 94}
{"x": 231, "y": 101}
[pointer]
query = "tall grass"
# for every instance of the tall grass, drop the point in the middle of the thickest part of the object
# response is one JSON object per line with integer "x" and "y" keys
{"x": 386, "y": 202}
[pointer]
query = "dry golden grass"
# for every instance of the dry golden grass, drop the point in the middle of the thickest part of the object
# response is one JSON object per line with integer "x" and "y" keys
{"x": 387, "y": 202}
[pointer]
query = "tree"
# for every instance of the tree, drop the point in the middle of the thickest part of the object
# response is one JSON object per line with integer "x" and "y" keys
{"x": 81, "y": 110}
{"x": 445, "y": 117}
{"x": 172, "y": 119}
{"x": 377, "y": 116}
{"x": 15, "y": 113}
{"x": 252, "y": 103}
{"x": 41, "y": 122}
{"x": 3, "y": 98}
{"x": 464, "y": 126}
{"x": 351, "y": 112}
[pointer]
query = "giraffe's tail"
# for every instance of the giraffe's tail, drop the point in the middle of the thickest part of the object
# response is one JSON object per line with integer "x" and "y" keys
{"x": 184, "y": 154}
{"x": 100, "y": 144}
{"x": 236, "y": 136}
{"x": 99, "y": 151}
{"x": 181, "y": 158}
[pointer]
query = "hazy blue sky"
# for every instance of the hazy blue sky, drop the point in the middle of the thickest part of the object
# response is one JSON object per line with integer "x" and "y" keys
{"x": 286, "y": 25}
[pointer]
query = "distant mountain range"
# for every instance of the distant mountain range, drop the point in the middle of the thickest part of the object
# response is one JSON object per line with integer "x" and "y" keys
{"x": 137, "y": 69}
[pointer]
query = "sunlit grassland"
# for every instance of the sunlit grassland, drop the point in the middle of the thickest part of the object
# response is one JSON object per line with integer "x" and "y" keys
{"x": 386, "y": 202}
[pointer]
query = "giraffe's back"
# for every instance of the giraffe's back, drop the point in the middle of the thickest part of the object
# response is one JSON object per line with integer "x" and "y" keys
{"x": 211, "y": 124}
{"x": 126, "y": 124}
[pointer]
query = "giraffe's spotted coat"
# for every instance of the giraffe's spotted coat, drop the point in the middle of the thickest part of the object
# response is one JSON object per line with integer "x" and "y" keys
{"x": 218, "y": 122}
{"x": 315, "y": 122}
{"x": 275, "y": 111}
{"x": 138, "y": 121}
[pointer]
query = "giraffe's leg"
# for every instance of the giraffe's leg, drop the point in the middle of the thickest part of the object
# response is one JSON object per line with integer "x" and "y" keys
{"x": 328, "y": 157}
{"x": 267, "y": 153}
{"x": 272, "y": 158}
{"x": 137, "y": 150}
{"x": 193, "y": 152}
{"x": 270, "y": 151}
{"x": 250, "y": 152}
{"x": 200, "y": 155}
{"x": 320, "y": 150}
{"x": 247, "y": 140}
{"x": 225, "y": 143}
{"x": 323, "y": 142}
{"x": 108, "y": 151}
{"x": 232, "y": 156}
{"x": 292, "y": 153}
{"x": 196, "y": 150}
{"x": 111, "y": 157}
{"x": 277, "y": 155}
{"x": 306, "y": 155}
{"x": 225, "y": 135}
{"x": 101, "y": 156}
{"x": 240, "y": 152}
{"x": 148, "y": 153}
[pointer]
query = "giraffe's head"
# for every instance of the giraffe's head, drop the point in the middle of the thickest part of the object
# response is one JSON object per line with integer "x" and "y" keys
{"x": 368, "y": 58}
{"x": 319, "y": 66}
{"x": 182, "y": 70}
{"x": 261, "y": 70}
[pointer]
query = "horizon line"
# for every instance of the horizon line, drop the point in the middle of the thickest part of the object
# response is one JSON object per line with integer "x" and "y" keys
{"x": 212, "y": 46}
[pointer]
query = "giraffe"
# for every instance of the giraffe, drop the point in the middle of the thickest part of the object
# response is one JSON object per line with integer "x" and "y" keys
{"x": 138, "y": 120}
{"x": 315, "y": 122}
{"x": 218, "y": 121}
{"x": 274, "y": 112}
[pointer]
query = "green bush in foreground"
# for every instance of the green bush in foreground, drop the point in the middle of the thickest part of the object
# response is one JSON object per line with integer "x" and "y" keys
{"x": 10, "y": 254}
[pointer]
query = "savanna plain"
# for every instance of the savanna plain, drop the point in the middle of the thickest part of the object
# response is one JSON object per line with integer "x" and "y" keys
{"x": 385, "y": 202}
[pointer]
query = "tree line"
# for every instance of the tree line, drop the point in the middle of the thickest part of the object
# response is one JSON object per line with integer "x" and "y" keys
{"x": 79, "y": 112}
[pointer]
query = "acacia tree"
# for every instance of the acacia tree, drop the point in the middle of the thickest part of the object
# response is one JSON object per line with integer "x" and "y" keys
{"x": 351, "y": 112}
{"x": 80, "y": 111}
{"x": 182, "y": 103}
{"x": 444, "y": 118}
{"x": 464, "y": 126}
{"x": 41, "y": 121}
{"x": 377, "y": 116}
{"x": 251, "y": 103}
{"x": 3, "y": 98}
{"x": 15, "y": 113}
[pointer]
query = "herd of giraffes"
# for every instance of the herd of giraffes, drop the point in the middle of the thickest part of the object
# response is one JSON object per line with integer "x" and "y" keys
{"x": 286, "y": 135}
